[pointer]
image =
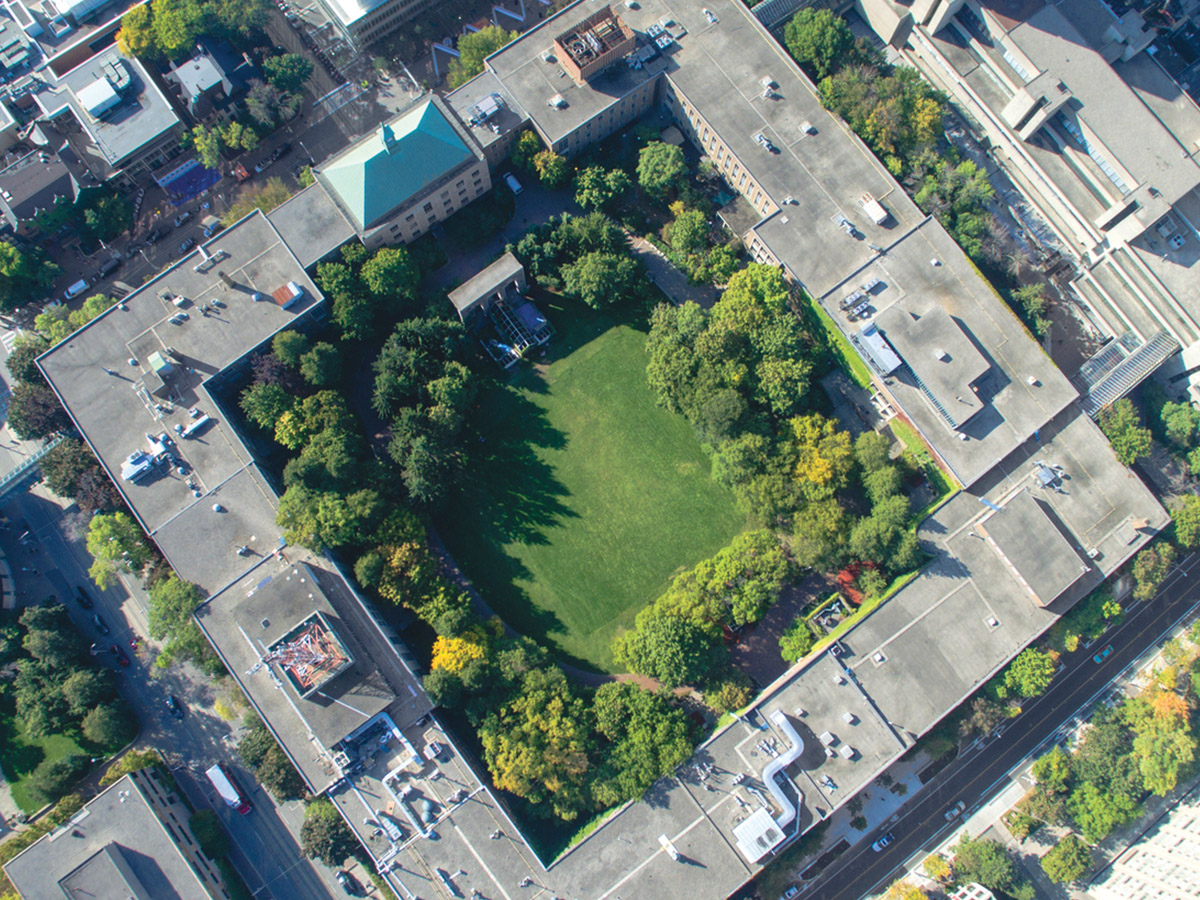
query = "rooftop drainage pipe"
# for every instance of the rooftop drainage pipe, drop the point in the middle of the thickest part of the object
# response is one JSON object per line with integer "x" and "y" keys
{"x": 776, "y": 766}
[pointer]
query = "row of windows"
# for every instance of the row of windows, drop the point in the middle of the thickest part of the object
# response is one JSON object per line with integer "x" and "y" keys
{"x": 1105, "y": 166}
{"x": 725, "y": 158}
{"x": 629, "y": 108}
{"x": 413, "y": 228}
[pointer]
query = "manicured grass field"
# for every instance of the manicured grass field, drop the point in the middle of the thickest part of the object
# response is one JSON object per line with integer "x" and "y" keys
{"x": 20, "y": 755}
{"x": 588, "y": 497}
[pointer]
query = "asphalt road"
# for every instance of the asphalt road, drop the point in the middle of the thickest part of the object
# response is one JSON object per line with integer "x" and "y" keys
{"x": 980, "y": 774}
{"x": 264, "y": 850}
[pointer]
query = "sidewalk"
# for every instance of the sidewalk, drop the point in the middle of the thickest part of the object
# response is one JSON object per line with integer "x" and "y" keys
{"x": 670, "y": 280}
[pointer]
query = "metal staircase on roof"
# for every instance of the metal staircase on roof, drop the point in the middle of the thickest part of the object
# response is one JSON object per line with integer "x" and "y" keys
{"x": 1124, "y": 376}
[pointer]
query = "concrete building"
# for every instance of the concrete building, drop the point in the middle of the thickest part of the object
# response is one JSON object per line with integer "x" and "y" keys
{"x": 1009, "y": 554}
{"x": 34, "y": 184}
{"x": 114, "y": 116}
{"x": 138, "y": 382}
{"x": 1102, "y": 142}
{"x": 1162, "y": 864}
{"x": 132, "y": 842}
{"x": 404, "y": 178}
{"x": 365, "y": 21}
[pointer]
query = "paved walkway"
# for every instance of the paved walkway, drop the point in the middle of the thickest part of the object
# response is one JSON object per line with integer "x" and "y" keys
{"x": 670, "y": 280}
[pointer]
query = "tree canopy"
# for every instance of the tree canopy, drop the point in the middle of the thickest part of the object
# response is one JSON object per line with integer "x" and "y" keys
{"x": 1123, "y": 427}
{"x": 660, "y": 168}
{"x": 288, "y": 71}
{"x": 818, "y": 39}
{"x": 117, "y": 544}
{"x": 472, "y": 49}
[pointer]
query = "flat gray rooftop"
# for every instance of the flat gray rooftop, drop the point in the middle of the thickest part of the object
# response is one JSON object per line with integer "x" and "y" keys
{"x": 311, "y": 224}
{"x": 939, "y": 352}
{"x": 719, "y": 67}
{"x": 1029, "y": 542}
{"x": 1013, "y": 409}
{"x": 108, "y": 396}
{"x": 142, "y": 114}
{"x": 486, "y": 281}
{"x": 262, "y": 607}
{"x": 1110, "y": 108}
{"x": 531, "y": 81}
{"x": 477, "y": 90}
{"x": 115, "y": 847}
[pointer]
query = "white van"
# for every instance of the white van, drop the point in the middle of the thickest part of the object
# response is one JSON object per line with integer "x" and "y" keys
{"x": 76, "y": 289}
{"x": 513, "y": 184}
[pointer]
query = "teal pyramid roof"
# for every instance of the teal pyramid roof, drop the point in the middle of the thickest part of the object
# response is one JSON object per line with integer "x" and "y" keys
{"x": 403, "y": 156}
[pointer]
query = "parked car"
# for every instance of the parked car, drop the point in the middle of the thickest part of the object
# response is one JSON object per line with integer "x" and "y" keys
{"x": 513, "y": 185}
{"x": 157, "y": 235}
{"x": 955, "y": 811}
{"x": 883, "y": 842}
{"x": 790, "y": 892}
{"x": 263, "y": 165}
{"x": 187, "y": 245}
{"x": 101, "y": 625}
{"x": 119, "y": 654}
{"x": 349, "y": 884}
{"x": 82, "y": 596}
{"x": 174, "y": 706}
{"x": 76, "y": 289}
{"x": 108, "y": 267}
{"x": 182, "y": 217}
{"x": 1102, "y": 655}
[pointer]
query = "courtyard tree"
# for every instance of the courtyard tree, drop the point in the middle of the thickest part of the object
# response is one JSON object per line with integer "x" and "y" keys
{"x": 237, "y": 136}
{"x": 817, "y": 538}
{"x": 473, "y": 49}
{"x": 268, "y": 104}
{"x": 172, "y": 602}
{"x": 1067, "y": 860}
{"x": 1185, "y": 516}
{"x": 1123, "y": 427}
{"x": 553, "y": 171}
{"x": 818, "y": 39}
{"x": 109, "y": 725}
{"x": 985, "y": 862}
{"x": 207, "y": 144}
{"x": 825, "y": 455}
{"x": 209, "y": 833}
{"x": 598, "y": 188}
{"x": 34, "y": 412}
{"x": 1180, "y": 422}
{"x": 1031, "y": 299}
{"x": 265, "y": 404}
{"x": 1150, "y": 567}
{"x": 322, "y": 365}
{"x": 672, "y": 650}
{"x": 22, "y": 273}
{"x": 660, "y": 168}
{"x": 1098, "y": 811}
{"x": 289, "y": 71}
{"x": 1030, "y": 673}
{"x": 598, "y": 279}
{"x": 392, "y": 275}
{"x": 537, "y": 745}
{"x": 260, "y": 751}
{"x": 136, "y": 37}
{"x": 176, "y": 25}
{"x": 288, "y": 346}
{"x": 117, "y": 544}
{"x": 317, "y": 519}
{"x": 688, "y": 231}
{"x": 642, "y": 738}
{"x": 325, "y": 836}
{"x": 525, "y": 149}
{"x": 26, "y": 348}
{"x": 797, "y": 640}
{"x": 107, "y": 218}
